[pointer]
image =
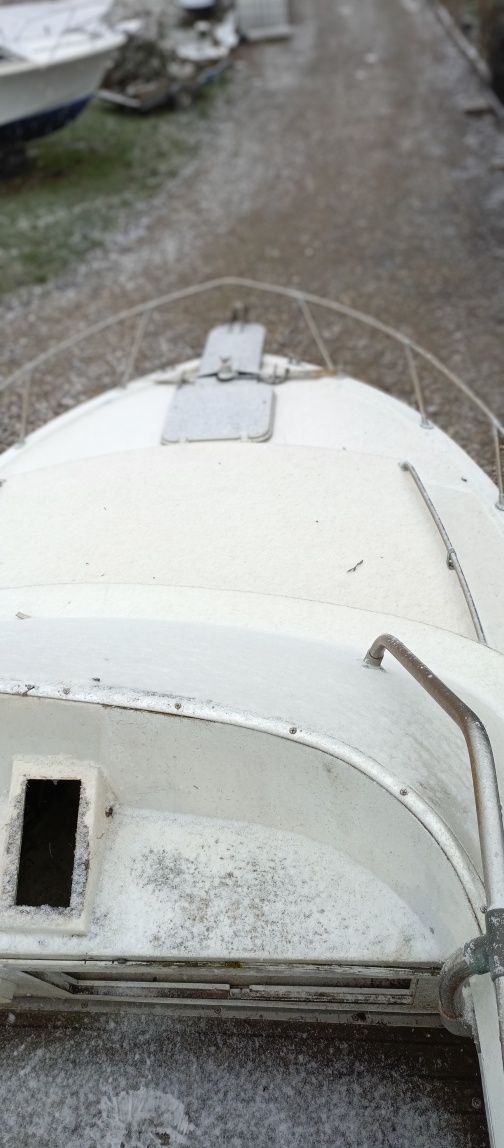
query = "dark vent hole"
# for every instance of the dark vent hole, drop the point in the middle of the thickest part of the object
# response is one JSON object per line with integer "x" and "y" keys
{"x": 46, "y": 861}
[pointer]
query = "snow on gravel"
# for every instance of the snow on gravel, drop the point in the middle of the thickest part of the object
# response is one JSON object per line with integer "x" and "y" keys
{"x": 146, "y": 1082}
{"x": 341, "y": 160}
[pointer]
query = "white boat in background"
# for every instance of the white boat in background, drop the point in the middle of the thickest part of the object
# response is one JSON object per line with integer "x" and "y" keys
{"x": 252, "y": 705}
{"x": 52, "y": 58}
{"x": 196, "y": 6}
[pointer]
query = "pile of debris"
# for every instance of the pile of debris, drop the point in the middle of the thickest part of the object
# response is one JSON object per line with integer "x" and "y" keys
{"x": 171, "y": 52}
{"x": 150, "y": 73}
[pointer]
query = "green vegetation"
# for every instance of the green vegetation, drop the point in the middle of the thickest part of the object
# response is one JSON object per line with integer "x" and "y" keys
{"x": 79, "y": 183}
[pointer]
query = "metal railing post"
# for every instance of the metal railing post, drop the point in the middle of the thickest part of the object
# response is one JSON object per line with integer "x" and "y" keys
{"x": 25, "y": 408}
{"x": 315, "y": 333}
{"x": 127, "y": 373}
{"x": 499, "y": 447}
{"x": 417, "y": 387}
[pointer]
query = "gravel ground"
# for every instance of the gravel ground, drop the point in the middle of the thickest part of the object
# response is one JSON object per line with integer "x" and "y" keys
{"x": 136, "y": 1081}
{"x": 345, "y": 160}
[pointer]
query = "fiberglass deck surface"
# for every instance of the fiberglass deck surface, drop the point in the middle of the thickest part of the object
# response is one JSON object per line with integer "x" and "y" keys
{"x": 144, "y": 1081}
{"x": 206, "y": 886}
{"x": 141, "y": 518}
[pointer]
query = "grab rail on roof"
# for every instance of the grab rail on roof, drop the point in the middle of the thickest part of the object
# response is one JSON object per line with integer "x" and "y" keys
{"x": 452, "y": 558}
{"x": 484, "y": 954}
{"x": 305, "y": 301}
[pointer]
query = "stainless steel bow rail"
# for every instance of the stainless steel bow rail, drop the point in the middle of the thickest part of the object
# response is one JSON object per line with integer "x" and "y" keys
{"x": 485, "y": 954}
{"x": 305, "y": 302}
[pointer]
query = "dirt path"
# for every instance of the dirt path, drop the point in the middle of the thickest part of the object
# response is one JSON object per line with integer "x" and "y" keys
{"x": 343, "y": 161}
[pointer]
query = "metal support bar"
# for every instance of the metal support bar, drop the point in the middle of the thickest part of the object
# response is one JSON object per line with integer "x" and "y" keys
{"x": 417, "y": 386}
{"x": 137, "y": 343}
{"x": 486, "y": 796}
{"x": 7, "y": 987}
{"x": 314, "y": 331}
{"x": 499, "y": 447}
{"x": 452, "y": 558}
{"x": 16, "y": 982}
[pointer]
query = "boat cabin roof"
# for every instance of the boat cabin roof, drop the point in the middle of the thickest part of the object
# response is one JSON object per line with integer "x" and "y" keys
{"x": 320, "y": 513}
{"x": 292, "y": 523}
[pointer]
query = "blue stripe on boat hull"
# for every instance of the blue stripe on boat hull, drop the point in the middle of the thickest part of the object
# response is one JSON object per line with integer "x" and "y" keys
{"x": 41, "y": 123}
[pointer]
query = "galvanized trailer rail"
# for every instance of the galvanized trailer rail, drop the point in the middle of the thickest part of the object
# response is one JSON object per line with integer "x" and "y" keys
{"x": 306, "y": 302}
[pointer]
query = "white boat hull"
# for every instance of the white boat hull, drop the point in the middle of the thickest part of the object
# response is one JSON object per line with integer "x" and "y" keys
{"x": 36, "y": 98}
{"x": 213, "y": 795}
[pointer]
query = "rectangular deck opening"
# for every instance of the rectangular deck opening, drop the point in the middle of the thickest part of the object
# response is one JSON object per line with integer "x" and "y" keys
{"x": 46, "y": 861}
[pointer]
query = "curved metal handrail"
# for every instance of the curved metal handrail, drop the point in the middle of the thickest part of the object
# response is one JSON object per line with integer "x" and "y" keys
{"x": 490, "y": 827}
{"x": 305, "y": 300}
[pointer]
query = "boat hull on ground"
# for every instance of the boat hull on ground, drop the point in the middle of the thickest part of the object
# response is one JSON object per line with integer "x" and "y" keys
{"x": 41, "y": 123}
{"x": 37, "y": 99}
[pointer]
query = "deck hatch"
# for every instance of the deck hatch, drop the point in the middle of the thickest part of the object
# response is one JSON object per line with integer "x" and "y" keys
{"x": 48, "y": 839}
{"x": 214, "y": 412}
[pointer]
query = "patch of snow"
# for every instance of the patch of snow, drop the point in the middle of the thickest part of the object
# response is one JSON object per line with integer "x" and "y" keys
{"x": 143, "y": 1118}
